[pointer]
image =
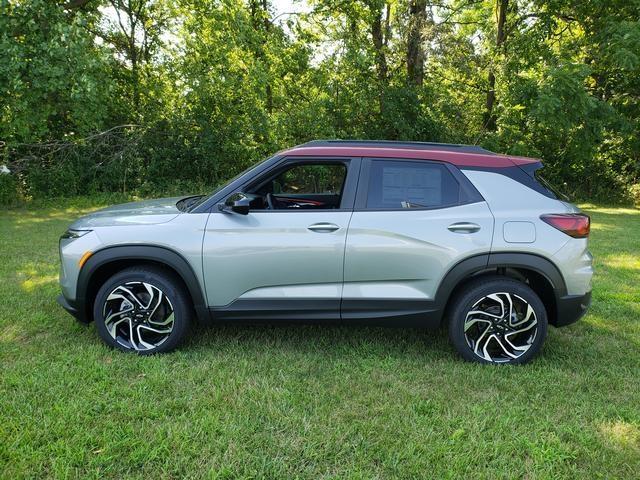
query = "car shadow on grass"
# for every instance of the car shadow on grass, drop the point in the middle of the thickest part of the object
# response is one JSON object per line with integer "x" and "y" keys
{"x": 331, "y": 339}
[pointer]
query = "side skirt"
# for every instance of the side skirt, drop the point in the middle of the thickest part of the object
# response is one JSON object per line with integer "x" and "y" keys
{"x": 385, "y": 313}
{"x": 391, "y": 313}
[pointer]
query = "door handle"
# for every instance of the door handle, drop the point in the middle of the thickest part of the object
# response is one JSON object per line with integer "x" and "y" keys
{"x": 323, "y": 227}
{"x": 464, "y": 227}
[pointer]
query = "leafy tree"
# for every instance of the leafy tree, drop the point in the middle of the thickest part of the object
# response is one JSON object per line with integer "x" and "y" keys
{"x": 215, "y": 85}
{"x": 54, "y": 79}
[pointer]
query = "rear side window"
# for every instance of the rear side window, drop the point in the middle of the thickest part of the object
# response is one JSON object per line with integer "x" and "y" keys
{"x": 404, "y": 184}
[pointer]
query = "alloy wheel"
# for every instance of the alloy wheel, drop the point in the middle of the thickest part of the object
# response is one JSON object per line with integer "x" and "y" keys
{"x": 138, "y": 315}
{"x": 500, "y": 327}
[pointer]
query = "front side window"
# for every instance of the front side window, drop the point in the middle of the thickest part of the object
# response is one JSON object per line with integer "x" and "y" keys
{"x": 406, "y": 185}
{"x": 304, "y": 186}
{"x": 311, "y": 179}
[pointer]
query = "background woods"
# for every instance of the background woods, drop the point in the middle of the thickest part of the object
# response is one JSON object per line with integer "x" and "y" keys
{"x": 162, "y": 96}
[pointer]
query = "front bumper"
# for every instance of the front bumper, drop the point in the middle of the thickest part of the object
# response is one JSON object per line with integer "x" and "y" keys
{"x": 572, "y": 308}
{"x": 72, "y": 309}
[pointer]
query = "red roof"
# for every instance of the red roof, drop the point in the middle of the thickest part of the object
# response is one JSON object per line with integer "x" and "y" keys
{"x": 461, "y": 159}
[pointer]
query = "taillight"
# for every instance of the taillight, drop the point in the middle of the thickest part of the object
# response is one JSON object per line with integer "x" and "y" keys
{"x": 576, "y": 225}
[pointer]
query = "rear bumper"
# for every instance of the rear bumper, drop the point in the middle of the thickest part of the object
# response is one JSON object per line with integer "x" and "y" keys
{"x": 572, "y": 308}
{"x": 72, "y": 309}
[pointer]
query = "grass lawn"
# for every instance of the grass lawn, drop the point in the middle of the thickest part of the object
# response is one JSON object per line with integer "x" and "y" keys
{"x": 312, "y": 402}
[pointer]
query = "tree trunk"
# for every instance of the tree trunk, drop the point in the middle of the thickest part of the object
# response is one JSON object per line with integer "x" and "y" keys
{"x": 415, "y": 51}
{"x": 501, "y": 36}
{"x": 267, "y": 30}
{"x": 378, "y": 36}
{"x": 259, "y": 10}
{"x": 378, "y": 42}
{"x": 133, "y": 55}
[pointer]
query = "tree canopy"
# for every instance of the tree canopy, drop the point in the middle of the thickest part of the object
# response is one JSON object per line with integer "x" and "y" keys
{"x": 165, "y": 95}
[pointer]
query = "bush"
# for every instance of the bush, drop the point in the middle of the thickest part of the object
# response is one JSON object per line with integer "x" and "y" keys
{"x": 170, "y": 159}
{"x": 8, "y": 189}
{"x": 127, "y": 160}
{"x": 634, "y": 193}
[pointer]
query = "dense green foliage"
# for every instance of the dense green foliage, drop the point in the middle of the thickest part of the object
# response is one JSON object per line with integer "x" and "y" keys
{"x": 308, "y": 402}
{"x": 151, "y": 96}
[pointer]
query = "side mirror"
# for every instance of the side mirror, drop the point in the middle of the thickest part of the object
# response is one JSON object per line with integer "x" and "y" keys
{"x": 239, "y": 203}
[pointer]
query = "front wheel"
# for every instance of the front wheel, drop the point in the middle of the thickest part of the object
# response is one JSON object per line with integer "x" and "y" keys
{"x": 497, "y": 320}
{"x": 143, "y": 310}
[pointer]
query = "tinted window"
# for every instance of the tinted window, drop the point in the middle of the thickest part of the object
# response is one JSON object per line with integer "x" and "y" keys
{"x": 303, "y": 186}
{"x": 394, "y": 184}
{"x": 311, "y": 179}
{"x": 555, "y": 191}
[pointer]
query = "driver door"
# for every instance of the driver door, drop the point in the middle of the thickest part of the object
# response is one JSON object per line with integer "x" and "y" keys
{"x": 284, "y": 260}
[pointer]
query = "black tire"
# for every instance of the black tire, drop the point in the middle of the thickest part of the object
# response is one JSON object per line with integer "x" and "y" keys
{"x": 144, "y": 283}
{"x": 486, "y": 335}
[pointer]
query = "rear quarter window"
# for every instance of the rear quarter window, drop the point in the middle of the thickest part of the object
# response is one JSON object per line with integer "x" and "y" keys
{"x": 536, "y": 179}
{"x": 549, "y": 186}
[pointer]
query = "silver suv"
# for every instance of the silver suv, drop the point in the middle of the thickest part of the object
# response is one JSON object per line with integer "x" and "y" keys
{"x": 401, "y": 234}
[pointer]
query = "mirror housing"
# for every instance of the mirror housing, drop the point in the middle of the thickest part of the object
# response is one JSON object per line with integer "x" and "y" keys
{"x": 239, "y": 203}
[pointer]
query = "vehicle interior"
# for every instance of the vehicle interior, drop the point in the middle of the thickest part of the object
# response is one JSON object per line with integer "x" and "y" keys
{"x": 301, "y": 186}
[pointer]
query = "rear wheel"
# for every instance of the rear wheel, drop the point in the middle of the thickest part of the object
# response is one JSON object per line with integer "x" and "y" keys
{"x": 143, "y": 310}
{"x": 497, "y": 320}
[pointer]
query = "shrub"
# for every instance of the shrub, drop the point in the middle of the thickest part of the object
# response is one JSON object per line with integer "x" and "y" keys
{"x": 8, "y": 189}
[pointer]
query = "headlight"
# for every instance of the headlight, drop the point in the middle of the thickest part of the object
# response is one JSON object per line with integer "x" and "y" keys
{"x": 74, "y": 233}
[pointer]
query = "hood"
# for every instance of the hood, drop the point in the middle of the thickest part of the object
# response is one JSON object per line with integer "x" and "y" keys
{"x": 147, "y": 212}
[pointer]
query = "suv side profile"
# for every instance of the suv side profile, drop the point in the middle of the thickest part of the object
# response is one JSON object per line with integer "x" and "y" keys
{"x": 373, "y": 232}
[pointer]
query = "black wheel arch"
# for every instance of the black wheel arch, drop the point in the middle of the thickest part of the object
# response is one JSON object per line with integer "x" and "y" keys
{"x": 108, "y": 261}
{"x": 542, "y": 275}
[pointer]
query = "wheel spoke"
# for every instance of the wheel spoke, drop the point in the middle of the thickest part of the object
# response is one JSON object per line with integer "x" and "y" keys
{"x": 510, "y": 314}
{"x": 156, "y": 330}
{"x": 117, "y": 314}
{"x": 522, "y": 348}
{"x": 529, "y": 327}
{"x": 154, "y": 299}
{"x": 495, "y": 297}
{"x": 116, "y": 296}
{"x": 130, "y": 296}
{"x": 504, "y": 348}
{"x": 476, "y": 344}
{"x": 472, "y": 321}
{"x": 480, "y": 312}
{"x": 485, "y": 352}
{"x": 112, "y": 327}
{"x": 526, "y": 318}
{"x": 167, "y": 321}
{"x": 145, "y": 344}
{"x": 156, "y": 304}
{"x": 131, "y": 337}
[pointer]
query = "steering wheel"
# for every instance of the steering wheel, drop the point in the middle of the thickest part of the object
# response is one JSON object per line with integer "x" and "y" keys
{"x": 270, "y": 202}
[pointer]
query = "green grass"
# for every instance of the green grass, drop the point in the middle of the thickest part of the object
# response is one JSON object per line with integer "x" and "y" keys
{"x": 312, "y": 402}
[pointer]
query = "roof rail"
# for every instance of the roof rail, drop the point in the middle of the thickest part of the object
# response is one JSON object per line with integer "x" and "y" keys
{"x": 450, "y": 147}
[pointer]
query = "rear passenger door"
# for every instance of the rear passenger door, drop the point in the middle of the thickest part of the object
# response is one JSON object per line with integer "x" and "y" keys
{"x": 413, "y": 220}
